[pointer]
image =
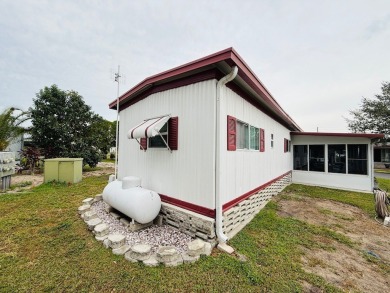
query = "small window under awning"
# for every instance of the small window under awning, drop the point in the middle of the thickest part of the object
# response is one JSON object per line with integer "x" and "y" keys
{"x": 148, "y": 128}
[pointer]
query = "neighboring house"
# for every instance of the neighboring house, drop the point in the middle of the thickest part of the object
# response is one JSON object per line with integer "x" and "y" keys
{"x": 382, "y": 153}
{"x": 215, "y": 144}
{"x": 15, "y": 146}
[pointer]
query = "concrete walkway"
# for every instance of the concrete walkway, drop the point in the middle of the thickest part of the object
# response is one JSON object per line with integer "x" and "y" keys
{"x": 382, "y": 175}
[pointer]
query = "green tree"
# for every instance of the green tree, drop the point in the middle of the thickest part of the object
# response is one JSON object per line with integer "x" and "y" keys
{"x": 11, "y": 121}
{"x": 102, "y": 134}
{"x": 64, "y": 126}
{"x": 373, "y": 114}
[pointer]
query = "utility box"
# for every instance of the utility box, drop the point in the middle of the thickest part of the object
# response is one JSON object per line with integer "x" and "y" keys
{"x": 69, "y": 170}
{"x": 7, "y": 168}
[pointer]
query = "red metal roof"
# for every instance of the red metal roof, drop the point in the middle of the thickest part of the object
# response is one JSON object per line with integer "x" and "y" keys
{"x": 231, "y": 57}
{"x": 366, "y": 135}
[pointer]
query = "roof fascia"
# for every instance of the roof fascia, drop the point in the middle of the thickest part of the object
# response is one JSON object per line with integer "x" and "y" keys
{"x": 364, "y": 135}
{"x": 199, "y": 63}
{"x": 232, "y": 58}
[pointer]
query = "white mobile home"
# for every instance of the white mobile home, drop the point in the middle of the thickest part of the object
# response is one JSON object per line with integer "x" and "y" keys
{"x": 211, "y": 140}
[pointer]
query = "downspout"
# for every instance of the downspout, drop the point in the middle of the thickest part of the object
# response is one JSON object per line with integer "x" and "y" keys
{"x": 218, "y": 203}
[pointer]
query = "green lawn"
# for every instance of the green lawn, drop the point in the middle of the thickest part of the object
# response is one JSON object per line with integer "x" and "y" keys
{"x": 386, "y": 171}
{"x": 45, "y": 247}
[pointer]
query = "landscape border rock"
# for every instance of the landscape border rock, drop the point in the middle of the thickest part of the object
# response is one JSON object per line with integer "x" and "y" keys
{"x": 140, "y": 252}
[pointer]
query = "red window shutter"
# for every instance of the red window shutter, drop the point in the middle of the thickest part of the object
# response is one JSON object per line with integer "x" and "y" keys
{"x": 144, "y": 143}
{"x": 285, "y": 145}
{"x": 262, "y": 142}
{"x": 173, "y": 130}
{"x": 231, "y": 133}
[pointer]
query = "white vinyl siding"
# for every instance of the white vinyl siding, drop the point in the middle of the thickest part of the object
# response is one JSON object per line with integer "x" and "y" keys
{"x": 243, "y": 171}
{"x": 186, "y": 174}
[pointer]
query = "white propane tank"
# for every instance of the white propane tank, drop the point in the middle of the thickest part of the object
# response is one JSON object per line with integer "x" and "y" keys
{"x": 129, "y": 198}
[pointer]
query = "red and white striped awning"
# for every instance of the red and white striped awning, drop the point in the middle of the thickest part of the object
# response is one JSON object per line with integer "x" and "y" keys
{"x": 148, "y": 128}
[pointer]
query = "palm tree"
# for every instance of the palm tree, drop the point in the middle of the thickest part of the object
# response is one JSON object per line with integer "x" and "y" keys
{"x": 11, "y": 121}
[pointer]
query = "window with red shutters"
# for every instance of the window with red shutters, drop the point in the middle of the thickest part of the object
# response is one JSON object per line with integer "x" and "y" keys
{"x": 143, "y": 143}
{"x": 170, "y": 135}
{"x": 262, "y": 140}
{"x": 173, "y": 130}
{"x": 231, "y": 133}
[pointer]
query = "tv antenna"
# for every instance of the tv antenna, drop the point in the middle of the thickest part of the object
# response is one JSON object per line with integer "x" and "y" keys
{"x": 118, "y": 78}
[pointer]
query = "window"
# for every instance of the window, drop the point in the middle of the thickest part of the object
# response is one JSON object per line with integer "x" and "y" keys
{"x": 157, "y": 141}
{"x": 357, "y": 159}
{"x": 300, "y": 157}
{"x": 169, "y": 131}
{"x": 242, "y": 135}
{"x": 254, "y": 138}
{"x": 317, "y": 158}
{"x": 336, "y": 158}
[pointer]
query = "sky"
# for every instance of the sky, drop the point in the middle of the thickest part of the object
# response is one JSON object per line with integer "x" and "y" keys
{"x": 317, "y": 58}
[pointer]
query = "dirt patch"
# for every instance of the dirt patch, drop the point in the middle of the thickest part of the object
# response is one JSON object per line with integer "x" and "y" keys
{"x": 349, "y": 268}
{"x": 21, "y": 183}
{"x": 106, "y": 169}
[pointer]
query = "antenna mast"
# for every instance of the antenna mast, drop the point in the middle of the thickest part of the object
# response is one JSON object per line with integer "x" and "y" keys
{"x": 117, "y": 76}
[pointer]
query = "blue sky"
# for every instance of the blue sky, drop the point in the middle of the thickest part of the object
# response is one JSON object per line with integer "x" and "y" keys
{"x": 317, "y": 58}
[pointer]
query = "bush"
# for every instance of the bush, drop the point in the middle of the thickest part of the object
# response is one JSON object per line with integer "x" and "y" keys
{"x": 91, "y": 157}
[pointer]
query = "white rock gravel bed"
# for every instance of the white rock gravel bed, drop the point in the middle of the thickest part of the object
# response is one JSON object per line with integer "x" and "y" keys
{"x": 155, "y": 236}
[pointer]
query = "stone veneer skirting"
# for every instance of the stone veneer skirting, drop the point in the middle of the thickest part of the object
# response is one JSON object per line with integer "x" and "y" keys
{"x": 234, "y": 219}
{"x": 188, "y": 222}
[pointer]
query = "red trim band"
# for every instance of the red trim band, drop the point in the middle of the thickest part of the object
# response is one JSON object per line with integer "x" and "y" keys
{"x": 228, "y": 56}
{"x": 209, "y": 212}
{"x": 188, "y": 206}
{"x": 202, "y": 76}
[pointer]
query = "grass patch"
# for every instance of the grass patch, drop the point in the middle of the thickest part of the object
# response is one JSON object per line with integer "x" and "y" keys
{"x": 385, "y": 171}
{"x": 108, "y": 160}
{"x": 383, "y": 183}
{"x": 45, "y": 246}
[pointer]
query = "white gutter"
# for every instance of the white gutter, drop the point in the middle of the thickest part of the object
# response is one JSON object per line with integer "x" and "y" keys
{"x": 218, "y": 203}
